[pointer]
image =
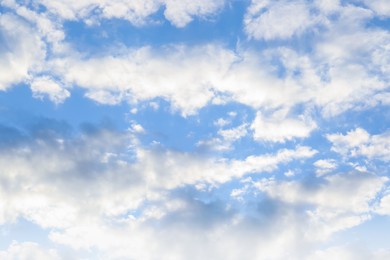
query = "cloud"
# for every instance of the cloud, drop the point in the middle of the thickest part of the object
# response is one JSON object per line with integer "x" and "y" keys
{"x": 28, "y": 250}
{"x": 278, "y": 127}
{"x": 180, "y": 13}
{"x": 348, "y": 252}
{"x": 359, "y": 142}
{"x": 327, "y": 6}
{"x": 226, "y": 137}
{"x": 190, "y": 77}
{"x": 338, "y": 74}
{"x": 276, "y": 20}
{"x": 381, "y": 7}
{"x": 21, "y": 51}
{"x": 331, "y": 208}
{"x": 106, "y": 192}
{"x": 139, "y": 13}
{"x": 100, "y": 189}
{"x": 53, "y": 175}
{"x": 46, "y": 86}
{"x": 145, "y": 73}
{"x": 325, "y": 166}
{"x": 270, "y": 162}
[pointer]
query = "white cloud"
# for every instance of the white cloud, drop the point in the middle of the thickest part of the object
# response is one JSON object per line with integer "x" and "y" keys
{"x": 21, "y": 50}
{"x": 270, "y": 162}
{"x": 279, "y": 127}
{"x": 381, "y": 7}
{"x": 348, "y": 252}
{"x": 179, "y": 13}
{"x": 48, "y": 29}
{"x": 277, "y": 19}
{"x": 185, "y": 76}
{"x": 42, "y": 86}
{"x": 340, "y": 73}
{"x": 220, "y": 122}
{"x": 327, "y": 6}
{"x": 354, "y": 70}
{"x": 334, "y": 208}
{"x": 28, "y": 250}
{"x": 235, "y": 133}
{"x": 189, "y": 77}
{"x": 91, "y": 192}
{"x": 325, "y": 166}
{"x": 383, "y": 206}
{"x": 332, "y": 193}
{"x": 359, "y": 142}
{"x": 87, "y": 163}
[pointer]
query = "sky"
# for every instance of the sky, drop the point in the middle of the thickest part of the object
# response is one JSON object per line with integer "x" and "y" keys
{"x": 194, "y": 129}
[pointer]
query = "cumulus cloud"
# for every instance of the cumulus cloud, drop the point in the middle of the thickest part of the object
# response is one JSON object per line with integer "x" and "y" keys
{"x": 227, "y": 137}
{"x": 359, "y": 142}
{"x": 277, "y": 19}
{"x": 325, "y": 166}
{"x": 381, "y": 7}
{"x": 339, "y": 73}
{"x": 278, "y": 127}
{"x": 334, "y": 208}
{"x": 182, "y": 75}
{"x": 327, "y": 6}
{"x": 92, "y": 159}
{"x": 189, "y": 77}
{"x": 21, "y": 50}
{"x": 102, "y": 190}
{"x": 46, "y": 86}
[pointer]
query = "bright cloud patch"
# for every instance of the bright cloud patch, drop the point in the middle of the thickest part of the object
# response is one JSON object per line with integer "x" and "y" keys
{"x": 278, "y": 20}
{"x": 278, "y": 127}
{"x": 179, "y": 13}
{"x": 359, "y": 142}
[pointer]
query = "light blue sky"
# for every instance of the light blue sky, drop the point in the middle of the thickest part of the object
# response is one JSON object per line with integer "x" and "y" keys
{"x": 194, "y": 129}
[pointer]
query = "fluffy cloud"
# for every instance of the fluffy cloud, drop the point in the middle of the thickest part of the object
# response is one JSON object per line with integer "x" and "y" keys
{"x": 182, "y": 75}
{"x": 277, "y": 20}
{"x": 46, "y": 86}
{"x": 227, "y": 137}
{"x": 381, "y": 7}
{"x": 325, "y": 166}
{"x": 179, "y": 13}
{"x": 334, "y": 208}
{"x": 21, "y": 50}
{"x": 279, "y": 127}
{"x": 102, "y": 191}
{"x": 339, "y": 74}
{"x": 359, "y": 142}
{"x": 100, "y": 188}
{"x": 88, "y": 162}
{"x": 330, "y": 192}
{"x": 189, "y": 77}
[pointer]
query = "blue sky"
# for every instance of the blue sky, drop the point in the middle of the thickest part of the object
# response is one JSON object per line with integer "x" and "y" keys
{"x": 194, "y": 129}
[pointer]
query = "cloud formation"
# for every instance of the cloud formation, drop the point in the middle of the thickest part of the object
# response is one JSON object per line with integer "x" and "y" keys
{"x": 262, "y": 143}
